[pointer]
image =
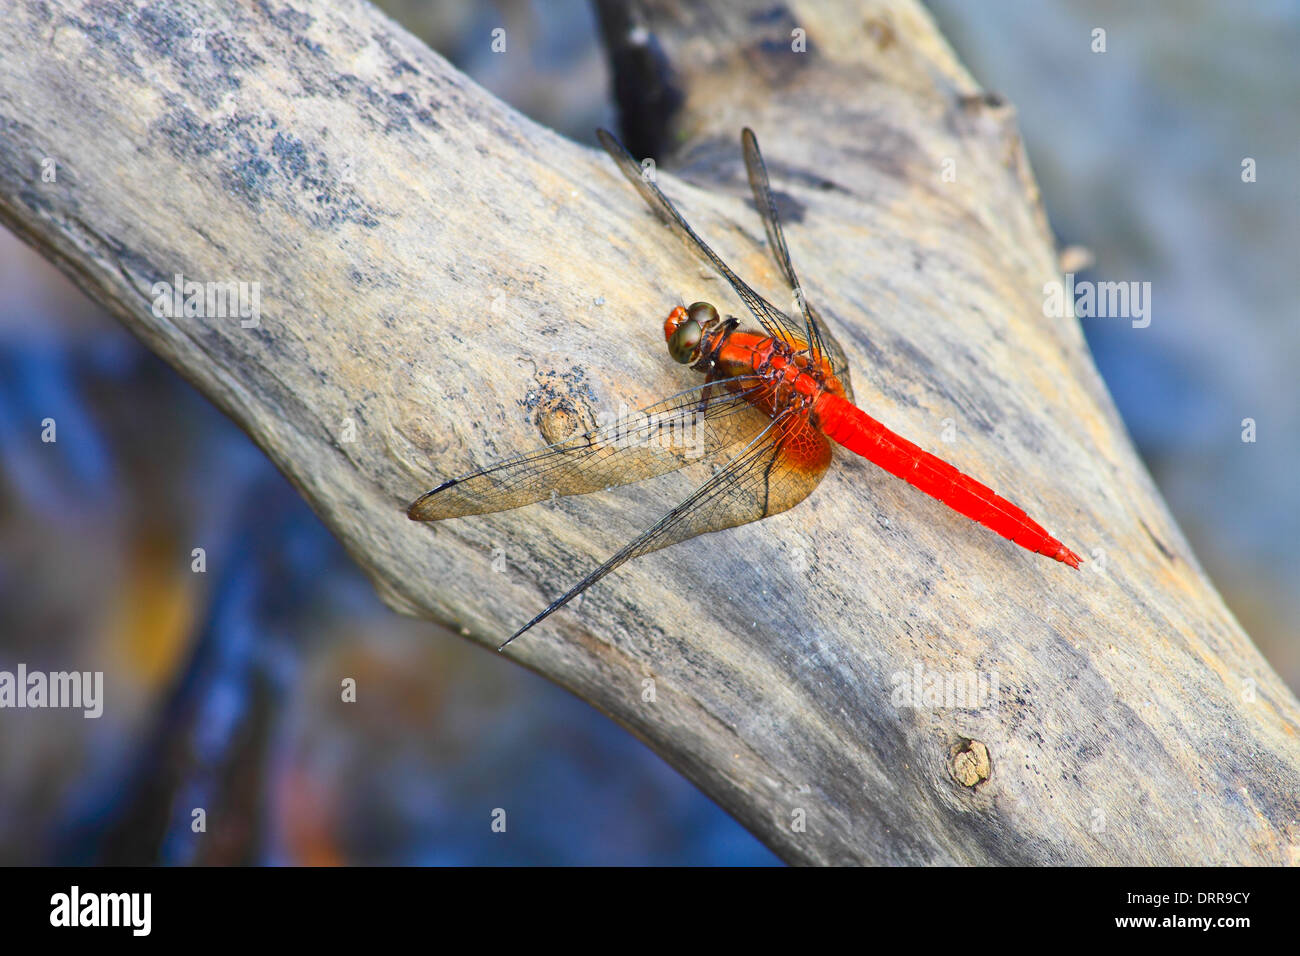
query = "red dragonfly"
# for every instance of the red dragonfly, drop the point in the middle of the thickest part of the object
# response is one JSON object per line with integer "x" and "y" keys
{"x": 771, "y": 403}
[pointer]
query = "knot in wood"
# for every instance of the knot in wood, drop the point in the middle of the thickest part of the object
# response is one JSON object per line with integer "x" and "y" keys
{"x": 969, "y": 762}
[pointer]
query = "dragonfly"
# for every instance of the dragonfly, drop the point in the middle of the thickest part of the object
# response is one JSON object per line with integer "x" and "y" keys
{"x": 773, "y": 400}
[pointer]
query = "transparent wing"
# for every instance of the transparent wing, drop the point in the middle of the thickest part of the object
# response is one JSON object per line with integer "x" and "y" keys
{"x": 690, "y": 426}
{"x": 776, "y": 470}
{"x": 773, "y": 321}
{"x": 815, "y": 332}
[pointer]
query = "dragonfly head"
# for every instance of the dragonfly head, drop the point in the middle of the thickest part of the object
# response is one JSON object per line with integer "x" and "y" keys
{"x": 684, "y": 329}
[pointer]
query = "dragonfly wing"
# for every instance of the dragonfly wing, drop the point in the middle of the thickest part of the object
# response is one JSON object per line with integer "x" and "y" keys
{"x": 690, "y": 426}
{"x": 772, "y": 473}
{"x": 772, "y": 321}
{"x": 814, "y": 332}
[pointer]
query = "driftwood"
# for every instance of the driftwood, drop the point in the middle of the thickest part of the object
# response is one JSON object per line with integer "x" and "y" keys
{"x": 443, "y": 282}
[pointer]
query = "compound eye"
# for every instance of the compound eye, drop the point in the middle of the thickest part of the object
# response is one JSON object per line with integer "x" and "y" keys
{"x": 703, "y": 313}
{"x": 683, "y": 343}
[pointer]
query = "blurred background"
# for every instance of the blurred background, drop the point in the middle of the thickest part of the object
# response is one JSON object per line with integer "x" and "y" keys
{"x": 223, "y": 685}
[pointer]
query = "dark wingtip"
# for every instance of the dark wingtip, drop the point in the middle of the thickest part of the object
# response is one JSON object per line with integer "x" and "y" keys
{"x": 413, "y": 509}
{"x": 526, "y": 627}
{"x": 610, "y": 142}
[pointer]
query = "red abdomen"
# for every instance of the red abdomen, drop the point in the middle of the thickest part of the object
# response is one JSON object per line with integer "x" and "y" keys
{"x": 857, "y": 431}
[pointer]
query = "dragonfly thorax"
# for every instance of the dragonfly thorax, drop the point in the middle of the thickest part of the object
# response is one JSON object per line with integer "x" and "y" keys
{"x": 699, "y": 337}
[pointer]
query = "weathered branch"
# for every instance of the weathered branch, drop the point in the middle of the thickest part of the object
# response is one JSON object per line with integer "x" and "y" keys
{"x": 443, "y": 282}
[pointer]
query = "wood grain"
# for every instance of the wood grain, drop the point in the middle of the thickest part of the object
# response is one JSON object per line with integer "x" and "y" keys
{"x": 444, "y": 282}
